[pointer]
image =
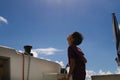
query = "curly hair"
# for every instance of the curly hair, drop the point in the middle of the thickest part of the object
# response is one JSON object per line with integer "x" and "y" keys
{"x": 77, "y": 38}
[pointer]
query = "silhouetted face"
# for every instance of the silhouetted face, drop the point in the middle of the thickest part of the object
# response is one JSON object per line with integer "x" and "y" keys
{"x": 70, "y": 40}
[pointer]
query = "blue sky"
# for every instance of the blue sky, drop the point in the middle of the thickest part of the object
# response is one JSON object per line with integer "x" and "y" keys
{"x": 45, "y": 24}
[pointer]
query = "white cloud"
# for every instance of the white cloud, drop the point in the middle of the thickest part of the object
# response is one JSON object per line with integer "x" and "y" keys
{"x": 90, "y": 73}
{"x": 118, "y": 71}
{"x": 45, "y": 51}
{"x": 3, "y": 20}
{"x": 60, "y": 62}
{"x": 104, "y": 73}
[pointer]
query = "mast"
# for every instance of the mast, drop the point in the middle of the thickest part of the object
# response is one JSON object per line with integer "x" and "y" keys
{"x": 116, "y": 31}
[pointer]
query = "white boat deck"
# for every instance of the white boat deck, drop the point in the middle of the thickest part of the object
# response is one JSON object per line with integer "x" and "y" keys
{"x": 15, "y": 66}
